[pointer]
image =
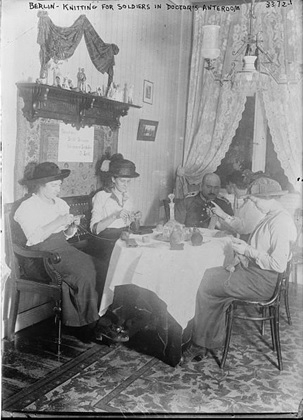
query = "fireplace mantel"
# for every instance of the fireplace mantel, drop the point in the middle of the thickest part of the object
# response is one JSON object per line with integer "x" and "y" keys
{"x": 70, "y": 106}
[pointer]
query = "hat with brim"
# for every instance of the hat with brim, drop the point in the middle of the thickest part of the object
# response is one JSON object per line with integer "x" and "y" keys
{"x": 43, "y": 173}
{"x": 272, "y": 194}
{"x": 123, "y": 168}
{"x": 266, "y": 187}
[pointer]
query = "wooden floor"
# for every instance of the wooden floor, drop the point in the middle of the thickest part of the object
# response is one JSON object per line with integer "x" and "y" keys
{"x": 33, "y": 355}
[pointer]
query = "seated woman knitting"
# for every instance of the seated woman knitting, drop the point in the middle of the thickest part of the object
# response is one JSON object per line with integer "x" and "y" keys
{"x": 253, "y": 274}
{"x": 47, "y": 224}
{"x": 112, "y": 211}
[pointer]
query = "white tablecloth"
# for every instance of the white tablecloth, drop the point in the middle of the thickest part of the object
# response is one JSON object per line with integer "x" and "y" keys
{"x": 174, "y": 275}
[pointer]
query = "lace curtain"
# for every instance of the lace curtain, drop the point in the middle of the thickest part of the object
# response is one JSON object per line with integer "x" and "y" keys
{"x": 214, "y": 111}
{"x": 283, "y": 102}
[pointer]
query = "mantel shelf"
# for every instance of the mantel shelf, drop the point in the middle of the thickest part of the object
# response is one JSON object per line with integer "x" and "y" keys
{"x": 72, "y": 107}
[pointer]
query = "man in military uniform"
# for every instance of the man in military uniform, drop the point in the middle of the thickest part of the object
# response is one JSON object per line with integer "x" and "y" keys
{"x": 195, "y": 209}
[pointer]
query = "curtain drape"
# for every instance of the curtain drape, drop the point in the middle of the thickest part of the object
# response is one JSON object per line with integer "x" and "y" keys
{"x": 283, "y": 103}
{"x": 283, "y": 109}
{"x": 214, "y": 111}
{"x": 60, "y": 44}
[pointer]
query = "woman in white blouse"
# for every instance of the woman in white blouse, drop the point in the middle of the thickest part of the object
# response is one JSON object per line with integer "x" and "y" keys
{"x": 253, "y": 274}
{"x": 47, "y": 224}
{"x": 112, "y": 207}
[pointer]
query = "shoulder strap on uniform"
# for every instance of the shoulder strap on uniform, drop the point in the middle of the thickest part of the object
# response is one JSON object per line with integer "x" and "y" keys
{"x": 192, "y": 194}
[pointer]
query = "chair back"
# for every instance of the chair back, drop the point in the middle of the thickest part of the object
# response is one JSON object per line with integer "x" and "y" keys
{"x": 268, "y": 309}
{"x": 80, "y": 205}
{"x": 32, "y": 272}
{"x": 26, "y": 264}
{"x": 22, "y": 266}
{"x": 275, "y": 298}
{"x": 13, "y": 234}
{"x": 282, "y": 277}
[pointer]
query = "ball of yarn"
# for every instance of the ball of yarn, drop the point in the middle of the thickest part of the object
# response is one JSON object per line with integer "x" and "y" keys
{"x": 196, "y": 238}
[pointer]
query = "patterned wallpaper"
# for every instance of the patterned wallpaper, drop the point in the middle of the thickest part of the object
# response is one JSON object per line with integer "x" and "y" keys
{"x": 39, "y": 141}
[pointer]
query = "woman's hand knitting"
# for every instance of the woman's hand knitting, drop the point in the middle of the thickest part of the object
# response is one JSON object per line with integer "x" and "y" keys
{"x": 239, "y": 246}
{"x": 124, "y": 215}
{"x": 70, "y": 223}
{"x": 218, "y": 211}
{"x": 65, "y": 220}
{"x": 243, "y": 248}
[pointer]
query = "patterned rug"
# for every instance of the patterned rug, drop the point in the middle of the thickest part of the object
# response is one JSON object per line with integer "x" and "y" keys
{"x": 122, "y": 380}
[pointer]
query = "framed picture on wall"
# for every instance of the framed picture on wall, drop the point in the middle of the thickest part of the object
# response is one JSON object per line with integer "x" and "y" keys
{"x": 148, "y": 92}
{"x": 147, "y": 130}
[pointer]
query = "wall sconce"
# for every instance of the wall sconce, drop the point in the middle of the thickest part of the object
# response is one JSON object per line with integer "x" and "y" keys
{"x": 210, "y": 45}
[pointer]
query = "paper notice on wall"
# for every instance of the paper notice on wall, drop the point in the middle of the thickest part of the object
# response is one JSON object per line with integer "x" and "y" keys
{"x": 75, "y": 145}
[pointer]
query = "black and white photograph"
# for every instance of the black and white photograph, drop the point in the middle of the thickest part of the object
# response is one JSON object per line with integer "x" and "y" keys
{"x": 148, "y": 92}
{"x": 147, "y": 130}
{"x": 151, "y": 188}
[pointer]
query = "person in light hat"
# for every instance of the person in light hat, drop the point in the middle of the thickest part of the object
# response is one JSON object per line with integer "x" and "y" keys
{"x": 47, "y": 224}
{"x": 259, "y": 261}
{"x": 265, "y": 187}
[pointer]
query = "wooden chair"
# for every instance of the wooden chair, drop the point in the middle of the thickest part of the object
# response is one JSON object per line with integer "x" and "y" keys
{"x": 284, "y": 292}
{"x": 47, "y": 283}
{"x": 267, "y": 310}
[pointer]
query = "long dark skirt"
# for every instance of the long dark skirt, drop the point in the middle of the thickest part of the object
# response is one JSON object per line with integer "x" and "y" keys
{"x": 217, "y": 289}
{"x": 79, "y": 289}
{"x": 101, "y": 246}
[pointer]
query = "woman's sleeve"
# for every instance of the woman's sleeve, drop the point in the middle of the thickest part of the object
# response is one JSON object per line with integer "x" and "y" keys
{"x": 277, "y": 257}
{"x": 98, "y": 212}
{"x": 26, "y": 216}
{"x": 31, "y": 219}
{"x": 62, "y": 206}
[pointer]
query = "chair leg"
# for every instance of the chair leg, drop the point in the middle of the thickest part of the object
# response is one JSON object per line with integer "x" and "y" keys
{"x": 272, "y": 329}
{"x": 59, "y": 336}
{"x": 296, "y": 273}
{"x": 263, "y": 312}
{"x": 14, "y": 314}
{"x": 287, "y": 301}
{"x": 276, "y": 335}
{"x": 58, "y": 318}
{"x": 229, "y": 320}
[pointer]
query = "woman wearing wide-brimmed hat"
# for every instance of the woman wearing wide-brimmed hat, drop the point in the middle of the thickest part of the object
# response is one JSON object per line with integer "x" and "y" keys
{"x": 112, "y": 213}
{"x": 113, "y": 205}
{"x": 249, "y": 214}
{"x": 255, "y": 272}
{"x": 113, "y": 209}
{"x": 47, "y": 224}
